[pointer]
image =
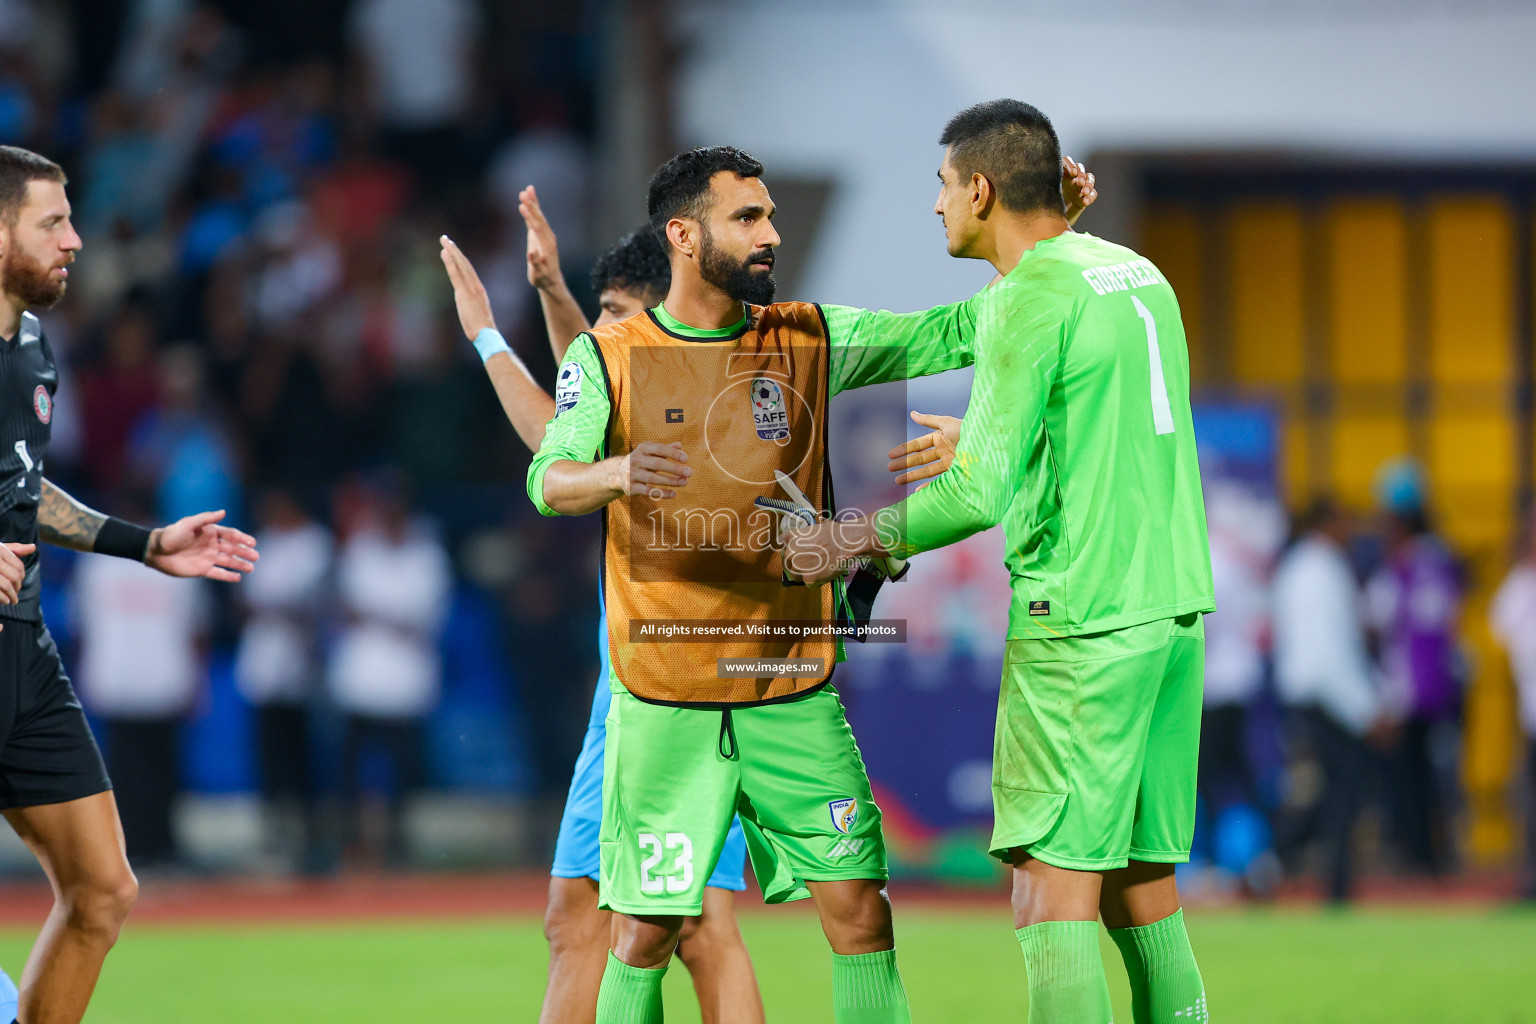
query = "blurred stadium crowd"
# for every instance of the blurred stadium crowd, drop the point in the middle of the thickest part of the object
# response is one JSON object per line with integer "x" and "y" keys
{"x": 1335, "y": 676}
{"x": 260, "y": 323}
{"x": 265, "y": 327}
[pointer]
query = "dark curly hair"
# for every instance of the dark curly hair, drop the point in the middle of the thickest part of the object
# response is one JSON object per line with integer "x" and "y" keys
{"x": 637, "y": 264}
{"x": 681, "y": 185}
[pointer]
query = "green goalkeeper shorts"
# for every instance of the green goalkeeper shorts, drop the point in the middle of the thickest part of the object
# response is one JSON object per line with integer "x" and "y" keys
{"x": 1097, "y": 742}
{"x": 674, "y": 777}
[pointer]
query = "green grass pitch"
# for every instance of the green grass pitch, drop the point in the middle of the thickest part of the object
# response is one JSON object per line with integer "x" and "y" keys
{"x": 1281, "y": 966}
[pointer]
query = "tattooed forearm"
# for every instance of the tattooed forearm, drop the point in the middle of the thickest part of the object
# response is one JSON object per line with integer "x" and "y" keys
{"x": 64, "y": 522}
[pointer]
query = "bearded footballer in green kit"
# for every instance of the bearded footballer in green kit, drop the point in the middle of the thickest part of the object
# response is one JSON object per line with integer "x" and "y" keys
{"x": 1079, "y": 441}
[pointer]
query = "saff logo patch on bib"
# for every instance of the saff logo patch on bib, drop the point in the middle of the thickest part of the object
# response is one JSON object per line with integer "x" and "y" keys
{"x": 42, "y": 404}
{"x": 845, "y": 814}
{"x": 567, "y": 387}
{"x": 770, "y": 413}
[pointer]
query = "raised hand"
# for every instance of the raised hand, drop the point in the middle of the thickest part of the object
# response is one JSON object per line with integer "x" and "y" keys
{"x": 929, "y": 455}
{"x": 543, "y": 250}
{"x": 469, "y": 296}
{"x": 1078, "y": 187}
{"x": 563, "y": 318}
{"x": 654, "y": 469}
{"x": 198, "y": 546}
{"x": 13, "y": 571}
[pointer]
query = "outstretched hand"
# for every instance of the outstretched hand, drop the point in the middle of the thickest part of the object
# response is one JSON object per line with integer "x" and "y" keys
{"x": 543, "y": 249}
{"x": 1078, "y": 187}
{"x": 469, "y": 296}
{"x": 198, "y": 546}
{"x": 924, "y": 457}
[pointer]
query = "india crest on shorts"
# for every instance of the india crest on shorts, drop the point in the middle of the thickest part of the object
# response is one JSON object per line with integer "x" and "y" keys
{"x": 845, "y": 814}
{"x": 770, "y": 413}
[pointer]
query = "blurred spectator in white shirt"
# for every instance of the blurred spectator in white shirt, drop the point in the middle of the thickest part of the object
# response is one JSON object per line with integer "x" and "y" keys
{"x": 1245, "y": 530}
{"x": 418, "y": 61}
{"x": 420, "y": 58}
{"x": 300, "y": 266}
{"x": 547, "y": 155}
{"x": 394, "y": 583}
{"x": 1321, "y": 659}
{"x": 141, "y": 671}
{"x": 278, "y": 667}
{"x": 1323, "y": 673}
{"x": 1513, "y": 619}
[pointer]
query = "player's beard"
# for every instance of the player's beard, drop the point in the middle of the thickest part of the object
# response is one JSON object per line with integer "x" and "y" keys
{"x": 736, "y": 278}
{"x": 26, "y": 279}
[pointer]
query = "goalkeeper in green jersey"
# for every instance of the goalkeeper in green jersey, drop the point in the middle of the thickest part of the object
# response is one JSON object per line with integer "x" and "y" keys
{"x": 1079, "y": 441}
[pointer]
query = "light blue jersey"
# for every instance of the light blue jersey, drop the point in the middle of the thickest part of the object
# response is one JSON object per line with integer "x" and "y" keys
{"x": 602, "y": 695}
{"x": 9, "y": 996}
{"x": 576, "y": 850}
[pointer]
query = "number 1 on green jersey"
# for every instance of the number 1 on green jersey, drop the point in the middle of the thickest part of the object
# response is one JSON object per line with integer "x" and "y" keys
{"x": 1162, "y": 413}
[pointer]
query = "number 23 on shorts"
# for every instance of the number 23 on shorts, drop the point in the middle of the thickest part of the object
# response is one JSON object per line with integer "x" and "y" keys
{"x": 656, "y": 849}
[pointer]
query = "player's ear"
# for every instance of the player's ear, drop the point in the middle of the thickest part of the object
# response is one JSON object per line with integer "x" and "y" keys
{"x": 982, "y": 194}
{"x": 681, "y": 233}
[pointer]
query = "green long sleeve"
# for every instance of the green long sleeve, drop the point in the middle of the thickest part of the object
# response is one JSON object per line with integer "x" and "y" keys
{"x": 876, "y": 346}
{"x": 580, "y": 423}
{"x": 1018, "y": 345}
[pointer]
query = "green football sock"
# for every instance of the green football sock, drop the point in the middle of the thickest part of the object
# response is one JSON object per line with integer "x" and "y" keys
{"x": 1066, "y": 973}
{"x": 1165, "y": 981}
{"x": 630, "y": 995}
{"x": 867, "y": 989}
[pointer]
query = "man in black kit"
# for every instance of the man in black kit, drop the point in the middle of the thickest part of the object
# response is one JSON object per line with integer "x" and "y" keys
{"x": 53, "y": 788}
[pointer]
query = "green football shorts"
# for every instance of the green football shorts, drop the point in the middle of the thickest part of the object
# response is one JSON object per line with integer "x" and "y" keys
{"x": 1097, "y": 742}
{"x": 674, "y": 777}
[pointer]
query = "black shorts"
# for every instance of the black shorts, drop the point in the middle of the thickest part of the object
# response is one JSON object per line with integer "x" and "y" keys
{"x": 47, "y": 752}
